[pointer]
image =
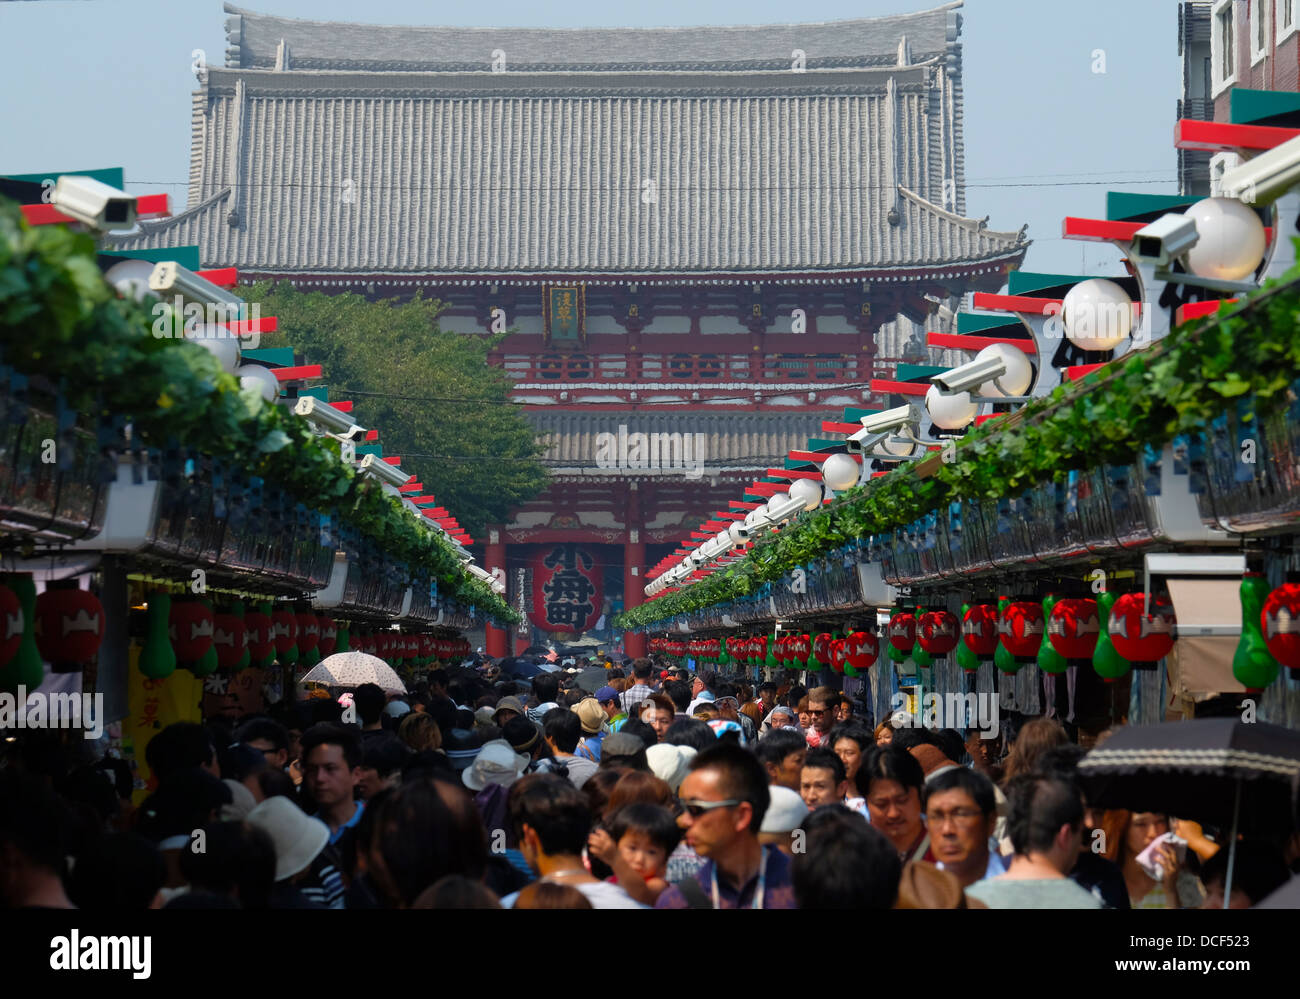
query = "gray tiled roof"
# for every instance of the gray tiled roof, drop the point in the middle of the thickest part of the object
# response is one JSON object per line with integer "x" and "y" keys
{"x": 253, "y": 41}
{"x": 712, "y": 171}
{"x": 732, "y": 439}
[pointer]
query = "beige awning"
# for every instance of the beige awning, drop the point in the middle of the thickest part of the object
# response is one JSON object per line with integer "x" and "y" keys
{"x": 1201, "y": 663}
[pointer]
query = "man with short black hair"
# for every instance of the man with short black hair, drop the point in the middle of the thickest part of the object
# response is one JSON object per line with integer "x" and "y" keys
{"x": 552, "y": 821}
{"x": 370, "y": 699}
{"x": 562, "y": 730}
{"x": 724, "y": 798}
{"x": 845, "y": 863}
{"x": 822, "y": 780}
{"x": 679, "y": 692}
{"x": 659, "y": 712}
{"x": 782, "y": 753}
{"x": 1045, "y": 823}
{"x": 960, "y": 813}
{"x": 546, "y": 691}
{"x": 269, "y": 738}
{"x": 331, "y": 763}
{"x": 640, "y": 689}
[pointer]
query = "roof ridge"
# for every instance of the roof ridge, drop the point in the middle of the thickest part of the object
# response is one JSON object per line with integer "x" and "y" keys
{"x": 230, "y": 8}
{"x": 163, "y": 225}
{"x": 974, "y": 225}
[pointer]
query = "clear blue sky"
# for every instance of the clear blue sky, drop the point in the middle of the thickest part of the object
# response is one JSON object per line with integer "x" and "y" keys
{"x": 93, "y": 83}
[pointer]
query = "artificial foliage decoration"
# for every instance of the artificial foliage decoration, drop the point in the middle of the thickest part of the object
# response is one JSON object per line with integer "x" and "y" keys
{"x": 1106, "y": 660}
{"x": 24, "y": 668}
{"x": 1253, "y": 666}
{"x": 60, "y": 320}
{"x": 1143, "y": 398}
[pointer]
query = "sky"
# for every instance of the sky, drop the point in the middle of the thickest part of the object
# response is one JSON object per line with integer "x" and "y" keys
{"x": 1064, "y": 100}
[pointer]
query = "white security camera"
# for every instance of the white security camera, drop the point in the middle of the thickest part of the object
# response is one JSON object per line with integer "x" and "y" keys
{"x": 784, "y": 510}
{"x": 890, "y": 419}
{"x": 169, "y": 276}
{"x": 971, "y": 375}
{"x": 388, "y": 474}
{"x": 739, "y": 532}
{"x": 1266, "y": 177}
{"x": 1164, "y": 240}
{"x": 95, "y": 204}
{"x": 322, "y": 414}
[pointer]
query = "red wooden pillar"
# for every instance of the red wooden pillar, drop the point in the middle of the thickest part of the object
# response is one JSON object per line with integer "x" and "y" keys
{"x": 634, "y": 567}
{"x": 496, "y": 639}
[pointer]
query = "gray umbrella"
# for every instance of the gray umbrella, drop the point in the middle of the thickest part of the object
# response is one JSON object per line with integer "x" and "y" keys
{"x": 592, "y": 679}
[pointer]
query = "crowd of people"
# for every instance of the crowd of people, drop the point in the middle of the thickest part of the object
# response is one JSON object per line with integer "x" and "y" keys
{"x": 650, "y": 787}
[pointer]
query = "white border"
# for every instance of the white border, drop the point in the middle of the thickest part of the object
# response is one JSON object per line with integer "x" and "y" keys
{"x": 1281, "y": 34}
{"x": 1264, "y": 9}
{"x": 1217, "y": 84}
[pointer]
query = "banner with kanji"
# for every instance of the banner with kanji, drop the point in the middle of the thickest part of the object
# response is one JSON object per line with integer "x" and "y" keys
{"x": 564, "y": 312}
{"x": 567, "y": 589}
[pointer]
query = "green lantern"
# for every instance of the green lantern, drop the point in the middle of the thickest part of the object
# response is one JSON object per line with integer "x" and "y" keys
{"x": 1253, "y": 666}
{"x": 157, "y": 657}
{"x": 1106, "y": 660}
{"x": 25, "y": 668}
{"x": 1049, "y": 660}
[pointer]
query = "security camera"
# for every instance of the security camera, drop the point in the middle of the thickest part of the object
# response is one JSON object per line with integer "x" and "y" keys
{"x": 784, "y": 510}
{"x": 94, "y": 204}
{"x": 169, "y": 276}
{"x": 324, "y": 415}
{"x": 890, "y": 419}
{"x": 388, "y": 474}
{"x": 739, "y": 532}
{"x": 1266, "y": 177}
{"x": 1164, "y": 240}
{"x": 971, "y": 375}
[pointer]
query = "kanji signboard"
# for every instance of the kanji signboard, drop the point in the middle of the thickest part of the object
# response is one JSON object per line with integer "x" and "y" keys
{"x": 567, "y": 588}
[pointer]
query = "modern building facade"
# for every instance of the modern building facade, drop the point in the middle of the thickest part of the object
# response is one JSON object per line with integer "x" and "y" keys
{"x": 704, "y": 239}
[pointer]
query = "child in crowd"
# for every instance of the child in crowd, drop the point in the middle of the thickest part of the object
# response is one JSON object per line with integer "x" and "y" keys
{"x": 635, "y": 842}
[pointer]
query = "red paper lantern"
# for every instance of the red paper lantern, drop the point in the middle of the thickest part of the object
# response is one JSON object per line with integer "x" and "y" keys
{"x": 329, "y": 636}
{"x": 11, "y": 624}
{"x": 308, "y": 632}
{"x": 1280, "y": 622}
{"x": 229, "y": 638}
{"x": 191, "y": 628}
{"x": 1073, "y": 628}
{"x": 902, "y": 631}
{"x": 979, "y": 630}
{"x": 1021, "y": 629}
{"x": 1142, "y": 639}
{"x": 863, "y": 650}
{"x": 261, "y": 636}
{"x": 937, "y": 631}
{"x": 821, "y": 647}
{"x": 69, "y": 626}
{"x": 285, "y": 629}
{"x": 839, "y": 654}
{"x": 567, "y": 588}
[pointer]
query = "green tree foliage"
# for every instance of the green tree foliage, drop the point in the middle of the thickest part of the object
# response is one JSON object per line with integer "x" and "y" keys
{"x": 430, "y": 392}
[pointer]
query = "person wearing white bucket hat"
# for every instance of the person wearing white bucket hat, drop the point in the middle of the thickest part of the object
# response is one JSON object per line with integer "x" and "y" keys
{"x": 670, "y": 763}
{"x": 496, "y": 763}
{"x": 299, "y": 840}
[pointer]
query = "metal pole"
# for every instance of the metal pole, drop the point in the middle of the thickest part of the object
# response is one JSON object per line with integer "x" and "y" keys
{"x": 1232, "y": 845}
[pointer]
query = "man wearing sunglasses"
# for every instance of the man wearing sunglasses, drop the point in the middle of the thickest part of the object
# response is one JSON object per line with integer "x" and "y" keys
{"x": 724, "y": 798}
{"x": 822, "y": 705}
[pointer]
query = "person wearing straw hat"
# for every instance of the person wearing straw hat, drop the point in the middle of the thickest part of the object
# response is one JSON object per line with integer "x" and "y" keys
{"x": 592, "y": 716}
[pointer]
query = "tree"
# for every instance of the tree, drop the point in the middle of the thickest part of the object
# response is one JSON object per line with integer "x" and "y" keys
{"x": 430, "y": 393}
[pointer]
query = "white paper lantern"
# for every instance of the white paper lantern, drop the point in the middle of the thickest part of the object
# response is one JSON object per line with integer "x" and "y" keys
{"x": 751, "y": 518}
{"x": 1098, "y": 314}
{"x": 219, "y": 342}
{"x": 840, "y": 472}
{"x": 807, "y": 491}
{"x": 260, "y": 379}
{"x": 898, "y": 446}
{"x": 131, "y": 280}
{"x": 1231, "y": 239}
{"x": 1019, "y": 371}
{"x": 949, "y": 412}
{"x": 777, "y": 499}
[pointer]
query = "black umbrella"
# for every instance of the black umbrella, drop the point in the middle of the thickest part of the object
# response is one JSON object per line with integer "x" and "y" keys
{"x": 591, "y": 679}
{"x": 520, "y": 667}
{"x": 1215, "y": 770}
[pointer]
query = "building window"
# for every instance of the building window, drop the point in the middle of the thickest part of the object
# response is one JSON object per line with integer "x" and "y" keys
{"x": 1220, "y": 163}
{"x": 1284, "y": 17}
{"x": 1259, "y": 34}
{"x": 1223, "y": 47}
